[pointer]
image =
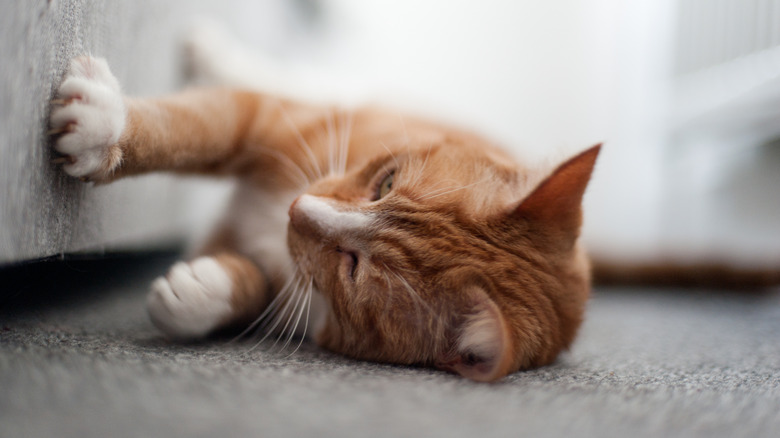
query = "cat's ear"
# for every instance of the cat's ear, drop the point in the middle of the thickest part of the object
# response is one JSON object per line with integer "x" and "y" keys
{"x": 557, "y": 200}
{"x": 482, "y": 347}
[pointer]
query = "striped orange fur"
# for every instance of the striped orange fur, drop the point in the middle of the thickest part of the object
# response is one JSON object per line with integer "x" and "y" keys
{"x": 429, "y": 244}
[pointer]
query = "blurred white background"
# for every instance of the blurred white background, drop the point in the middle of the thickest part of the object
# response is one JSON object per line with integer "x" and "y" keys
{"x": 684, "y": 94}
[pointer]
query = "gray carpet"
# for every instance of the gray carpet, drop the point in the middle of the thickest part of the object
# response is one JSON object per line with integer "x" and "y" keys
{"x": 78, "y": 358}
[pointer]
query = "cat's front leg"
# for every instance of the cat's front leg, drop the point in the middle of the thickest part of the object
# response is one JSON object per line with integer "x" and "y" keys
{"x": 88, "y": 118}
{"x": 104, "y": 135}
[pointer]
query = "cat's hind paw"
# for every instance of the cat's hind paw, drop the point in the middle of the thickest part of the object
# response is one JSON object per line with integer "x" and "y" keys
{"x": 191, "y": 301}
{"x": 88, "y": 118}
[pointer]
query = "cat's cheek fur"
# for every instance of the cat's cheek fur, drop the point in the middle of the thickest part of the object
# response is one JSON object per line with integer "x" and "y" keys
{"x": 89, "y": 117}
{"x": 193, "y": 300}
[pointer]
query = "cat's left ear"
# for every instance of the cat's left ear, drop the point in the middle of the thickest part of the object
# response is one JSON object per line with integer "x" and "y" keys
{"x": 482, "y": 349}
{"x": 556, "y": 201}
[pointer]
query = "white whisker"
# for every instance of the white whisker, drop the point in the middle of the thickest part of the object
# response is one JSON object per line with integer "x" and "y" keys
{"x": 290, "y": 317}
{"x": 388, "y": 303}
{"x": 270, "y": 309}
{"x": 413, "y": 295}
{"x": 457, "y": 189}
{"x": 421, "y": 171}
{"x": 346, "y": 134}
{"x": 330, "y": 131}
{"x": 435, "y": 189}
{"x": 303, "y": 180}
{"x": 277, "y": 319}
{"x": 392, "y": 155}
{"x": 417, "y": 299}
{"x": 307, "y": 306}
{"x": 301, "y": 141}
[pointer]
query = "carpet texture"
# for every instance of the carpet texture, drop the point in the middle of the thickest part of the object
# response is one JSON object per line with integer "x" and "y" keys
{"x": 79, "y": 358}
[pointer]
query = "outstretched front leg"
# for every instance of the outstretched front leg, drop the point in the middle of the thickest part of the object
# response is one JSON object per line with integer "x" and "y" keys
{"x": 104, "y": 135}
{"x": 274, "y": 144}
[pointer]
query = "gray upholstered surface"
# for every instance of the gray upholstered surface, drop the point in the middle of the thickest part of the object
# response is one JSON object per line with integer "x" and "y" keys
{"x": 86, "y": 362}
{"x": 44, "y": 212}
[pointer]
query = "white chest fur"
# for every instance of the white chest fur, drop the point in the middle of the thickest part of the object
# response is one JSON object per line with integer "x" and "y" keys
{"x": 259, "y": 219}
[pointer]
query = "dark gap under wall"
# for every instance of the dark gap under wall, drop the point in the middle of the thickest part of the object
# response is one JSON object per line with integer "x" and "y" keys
{"x": 70, "y": 279}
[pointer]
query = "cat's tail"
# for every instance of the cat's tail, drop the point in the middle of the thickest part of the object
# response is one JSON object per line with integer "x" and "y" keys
{"x": 695, "y": 274}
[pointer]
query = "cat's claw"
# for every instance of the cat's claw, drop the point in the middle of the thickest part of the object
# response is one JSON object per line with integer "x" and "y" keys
{"x": 193, "y": 300}
{"x": 88, "y": 117}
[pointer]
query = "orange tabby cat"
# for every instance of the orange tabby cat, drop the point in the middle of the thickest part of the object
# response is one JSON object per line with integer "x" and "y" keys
{"x": 424, "y": 244}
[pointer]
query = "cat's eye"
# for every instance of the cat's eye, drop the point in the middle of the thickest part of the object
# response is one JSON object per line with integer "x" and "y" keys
{"x": 385, "y": 186}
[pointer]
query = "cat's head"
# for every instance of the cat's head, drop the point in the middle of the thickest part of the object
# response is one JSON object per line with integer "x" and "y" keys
{"x": 439, "y": 256}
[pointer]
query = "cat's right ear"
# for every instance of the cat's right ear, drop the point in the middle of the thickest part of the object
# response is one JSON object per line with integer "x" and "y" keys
{"x": 556, "y": 203}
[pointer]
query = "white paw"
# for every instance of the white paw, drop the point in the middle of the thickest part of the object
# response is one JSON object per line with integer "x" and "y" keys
{"x": 192, "y": 300}
{"x": 89, "y": 116}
